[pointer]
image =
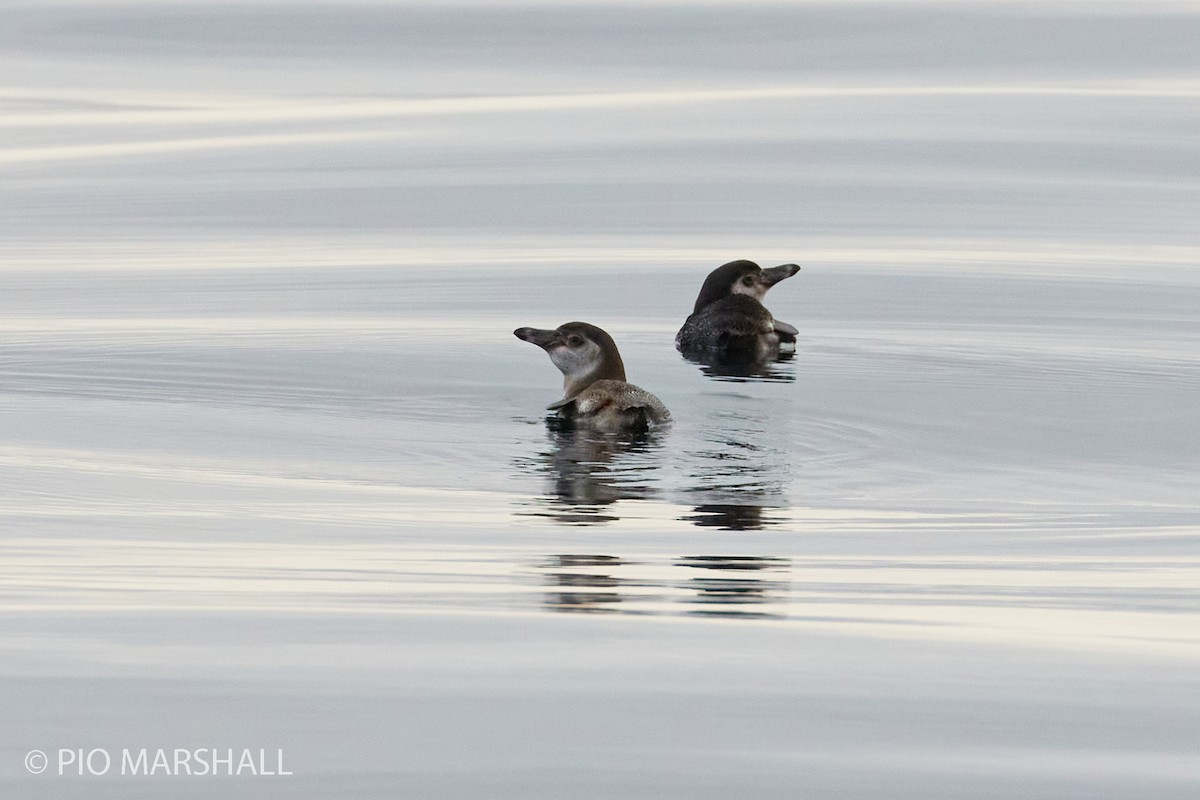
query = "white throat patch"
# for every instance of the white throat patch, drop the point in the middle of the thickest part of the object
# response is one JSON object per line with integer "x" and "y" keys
{"x": 757, "y": 289}
{"x": 577, "y": 362}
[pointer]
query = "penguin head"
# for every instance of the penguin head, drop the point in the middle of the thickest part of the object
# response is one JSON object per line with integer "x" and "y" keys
{"x": 741, "y": 277}
{"x": 582, "y": 352}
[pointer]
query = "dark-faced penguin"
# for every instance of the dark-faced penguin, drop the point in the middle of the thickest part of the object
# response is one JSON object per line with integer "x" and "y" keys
{"x": 595, "y": 392}
{"x": 730, "y": 323}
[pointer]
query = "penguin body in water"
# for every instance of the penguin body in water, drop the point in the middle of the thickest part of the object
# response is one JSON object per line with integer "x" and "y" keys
{"x": 595, "y": 392}
{"x": 729, "y": 322}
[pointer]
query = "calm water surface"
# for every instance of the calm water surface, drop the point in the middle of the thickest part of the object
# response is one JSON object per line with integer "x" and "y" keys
{"x": 275, "y": 473}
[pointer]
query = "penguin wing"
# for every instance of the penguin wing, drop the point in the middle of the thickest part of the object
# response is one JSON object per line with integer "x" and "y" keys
{"x": 741, "y": 316}
{"x": 740, "y": 326}
{"x": 623, "y": 398}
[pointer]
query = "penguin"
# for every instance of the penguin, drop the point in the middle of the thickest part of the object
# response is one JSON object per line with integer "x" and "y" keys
{"x": 729, "y": 322}
{"x": 595, "y": 392}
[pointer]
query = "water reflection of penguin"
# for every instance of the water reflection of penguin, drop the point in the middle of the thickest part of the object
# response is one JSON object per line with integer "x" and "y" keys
{"x": 738, "y": 467}
{"x": 729, "y": 326}
{"x": 593, "y": 583}
{"x": 595, "y": 392}
{"x": 594, "y": 589}
{"x": 742, "y": 594}
{"x": 731, "y": 517}
{"x": 590, "y": 471}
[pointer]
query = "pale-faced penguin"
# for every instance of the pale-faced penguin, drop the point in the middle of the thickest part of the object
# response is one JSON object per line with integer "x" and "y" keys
{"x": 729, "y": 321}
{"x": 595, "y": 392}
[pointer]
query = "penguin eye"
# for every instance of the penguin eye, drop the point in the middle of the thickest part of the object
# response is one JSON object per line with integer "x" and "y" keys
{"x": 748, "y": 280}
{"x": 574, "y": 341}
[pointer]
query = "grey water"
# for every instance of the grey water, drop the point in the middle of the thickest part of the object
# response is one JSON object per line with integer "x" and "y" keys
{"x": 275, "y": 475}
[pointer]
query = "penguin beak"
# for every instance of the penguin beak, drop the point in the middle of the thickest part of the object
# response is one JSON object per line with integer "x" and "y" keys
{"x": 542, "y": 338}
{"x": 774, "y": 275}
